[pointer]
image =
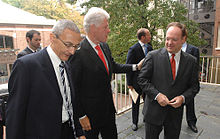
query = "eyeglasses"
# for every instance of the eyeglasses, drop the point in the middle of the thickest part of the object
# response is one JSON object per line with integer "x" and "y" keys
{"x": 69, "y": 45}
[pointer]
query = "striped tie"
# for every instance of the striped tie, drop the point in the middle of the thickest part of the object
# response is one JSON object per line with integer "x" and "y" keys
{"x": 67, "y": 101}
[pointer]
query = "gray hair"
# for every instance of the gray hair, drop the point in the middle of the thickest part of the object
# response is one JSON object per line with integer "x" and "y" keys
{"x": 94, "y": 16}
{"x": 63, "y": 24}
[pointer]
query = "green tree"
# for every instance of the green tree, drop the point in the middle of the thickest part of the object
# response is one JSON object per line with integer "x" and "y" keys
{"x": 51, "y": 9}
{"x": 127, "y": 16}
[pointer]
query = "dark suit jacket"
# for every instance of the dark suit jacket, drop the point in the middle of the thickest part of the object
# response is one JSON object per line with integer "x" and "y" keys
{"x": 135, "y": 55}
{"x": 93, "y": 88}
{"x": 156, "y": 76}
{"x": 24, "y": 52}
{"x": 34, "y": 108}
{"x": 193, "y": 51}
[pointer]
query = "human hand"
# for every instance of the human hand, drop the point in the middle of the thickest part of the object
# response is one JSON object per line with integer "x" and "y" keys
{"x": 162, "y": 100}
{"x": 82, "y": 137}
{"x": 85, "y": 123}
{"x": 176, "y": 102}
{"x": 139, "y": 65}
{"x": 130, "y": 87}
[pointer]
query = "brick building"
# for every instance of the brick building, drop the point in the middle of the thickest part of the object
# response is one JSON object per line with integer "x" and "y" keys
{"x": 216, "y": 44}
{"x": 14, "y": 23}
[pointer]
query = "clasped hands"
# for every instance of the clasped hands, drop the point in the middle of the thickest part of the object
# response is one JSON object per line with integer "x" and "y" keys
{"x": 164, "y": 101}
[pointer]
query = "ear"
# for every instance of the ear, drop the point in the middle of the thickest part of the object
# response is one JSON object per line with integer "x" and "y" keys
{"x": 52, "y": 37}
{"x": 28, "y": 40}
{"x": 184, "y": 39}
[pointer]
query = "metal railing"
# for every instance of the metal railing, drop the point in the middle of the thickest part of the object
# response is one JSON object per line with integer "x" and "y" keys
{"x": 121, "y": 96}
{"x": 210, "y": 66}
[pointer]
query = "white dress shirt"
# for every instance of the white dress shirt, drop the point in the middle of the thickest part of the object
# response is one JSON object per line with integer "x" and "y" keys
{"x": 56, "y": 62}
{"x": 142, "y": 45}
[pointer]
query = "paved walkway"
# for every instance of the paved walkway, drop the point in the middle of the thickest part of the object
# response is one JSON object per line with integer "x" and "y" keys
{"x": 207, "y": 111}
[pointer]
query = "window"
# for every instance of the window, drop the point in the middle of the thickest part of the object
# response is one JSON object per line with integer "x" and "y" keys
{"x": 6, "y": 42}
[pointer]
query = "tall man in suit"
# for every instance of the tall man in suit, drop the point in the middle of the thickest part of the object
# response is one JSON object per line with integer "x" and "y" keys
{"x": 169, "y": 79}
{"x": 95, "y": 65}
{"x": 190, "y": 107}
{"x": 135, "y": 54}
{"x": 33, "y": 39}
{"x": 41, "y": 95}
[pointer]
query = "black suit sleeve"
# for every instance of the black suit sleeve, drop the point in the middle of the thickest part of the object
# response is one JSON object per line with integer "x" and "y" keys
{"x": 145, "y": 76}
{"x": 130, "y": 60}
{"x": 117, "y": 68}
{"x": 17, "y": 102}
{"x": 194, "y": 86}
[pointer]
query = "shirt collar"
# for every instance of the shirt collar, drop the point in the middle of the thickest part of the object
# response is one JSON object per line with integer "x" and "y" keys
{"x": 177, "y": 55}
{"x": 141, "y": 43}
{"x": 54, "y": 58}
{"x": 31, "y": 49}
{"x": 91, "y": 43}
{"x": 184, "y": 47}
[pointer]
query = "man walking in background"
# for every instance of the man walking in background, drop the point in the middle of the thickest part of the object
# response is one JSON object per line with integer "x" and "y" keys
{"x": 190, "y": 107}
{"x": 33, "y": 39}
{"x": 135, "y": 54}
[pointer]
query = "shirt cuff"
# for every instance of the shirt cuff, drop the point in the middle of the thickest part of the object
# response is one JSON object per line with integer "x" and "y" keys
{"x": 134, "y": 67}
{"x": 156, "y": 96}
{"x": 82, "y": 117}
{"x": 183, "y": 98}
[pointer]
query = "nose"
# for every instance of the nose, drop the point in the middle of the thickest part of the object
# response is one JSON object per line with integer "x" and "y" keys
{"x": 109, "y": 30}
{"x": 72, "y": 50}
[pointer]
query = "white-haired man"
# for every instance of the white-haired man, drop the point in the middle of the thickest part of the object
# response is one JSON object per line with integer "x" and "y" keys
{"x": 95, "y": 66}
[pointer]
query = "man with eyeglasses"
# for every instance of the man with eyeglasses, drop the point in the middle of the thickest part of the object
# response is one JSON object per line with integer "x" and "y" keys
{"x": 41, "y": 100}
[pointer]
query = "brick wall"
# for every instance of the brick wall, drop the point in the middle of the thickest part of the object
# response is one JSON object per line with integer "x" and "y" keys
{"x": 216, "y": 52}
{"x": 18, "y": 32}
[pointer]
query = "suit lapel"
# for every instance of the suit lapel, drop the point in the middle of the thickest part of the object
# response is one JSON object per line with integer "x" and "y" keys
{"x": 140, "y": 50}
{"x": 94, "y": 57}
{"x": 28, "y": 50}
{"x": 71, "y": 85}
{"x": 167, "y": 66}
{"x": 107, "y": 57}
{"x": 182, "y": 65}
{"x": 47, "y": 68}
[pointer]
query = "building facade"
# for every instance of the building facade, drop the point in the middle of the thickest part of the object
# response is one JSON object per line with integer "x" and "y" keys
{"x": 13, "y": 30}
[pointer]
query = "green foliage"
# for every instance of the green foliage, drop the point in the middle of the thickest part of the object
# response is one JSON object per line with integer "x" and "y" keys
{"x": 127, "y": 16}
{"x": 51, "y": 9}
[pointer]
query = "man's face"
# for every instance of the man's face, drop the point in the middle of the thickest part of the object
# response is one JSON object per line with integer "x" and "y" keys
{"x": 101, "y": 32}
{"x": 34, "y": 43}
{"x": 64, "y": 45}
{"x": 147, "y": 37}
{"x": 174, "y": 39}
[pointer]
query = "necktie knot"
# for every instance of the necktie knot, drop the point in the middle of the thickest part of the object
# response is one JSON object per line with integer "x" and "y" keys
{"x": 62, "y": 64}
{"x": 97, "y": 48}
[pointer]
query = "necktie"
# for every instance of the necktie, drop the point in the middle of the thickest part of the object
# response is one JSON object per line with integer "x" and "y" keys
{"x": 173, "y": 66}
{"x": 101, "y": 56}
{"x": 66, "y": 102}
{"x": 145, "y": 50}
